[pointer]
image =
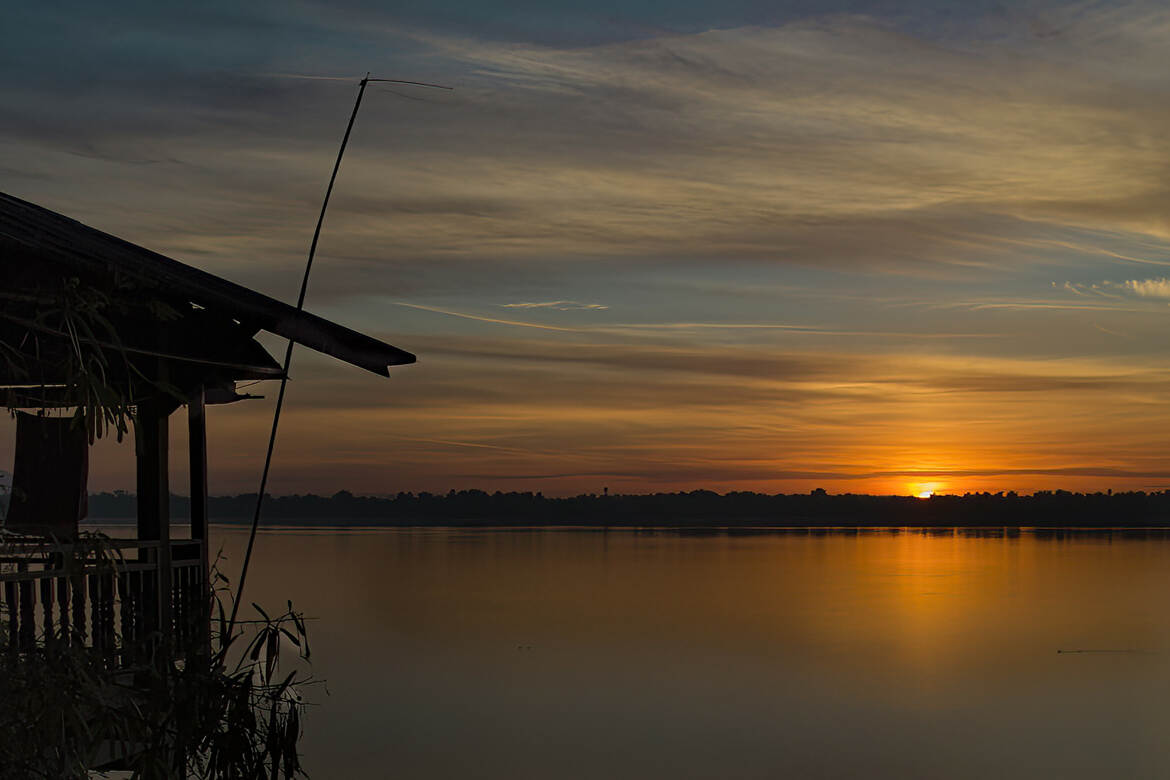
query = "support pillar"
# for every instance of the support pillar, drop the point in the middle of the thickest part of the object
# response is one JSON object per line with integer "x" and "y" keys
{"x": 197, "y": 452}
{"x": 152, "y": 441}
{"x": 197, "y": 456}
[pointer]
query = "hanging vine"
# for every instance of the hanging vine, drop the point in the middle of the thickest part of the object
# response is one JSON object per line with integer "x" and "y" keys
{"x": 68, "y": 348}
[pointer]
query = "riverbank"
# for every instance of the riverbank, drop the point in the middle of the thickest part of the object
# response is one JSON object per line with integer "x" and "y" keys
{"x": 691, "y": 510}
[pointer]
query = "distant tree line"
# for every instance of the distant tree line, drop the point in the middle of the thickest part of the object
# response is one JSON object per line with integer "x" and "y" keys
{"x": 697, "y": 508}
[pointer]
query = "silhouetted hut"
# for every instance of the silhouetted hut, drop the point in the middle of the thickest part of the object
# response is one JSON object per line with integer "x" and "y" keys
{"x": 91, "y": 322}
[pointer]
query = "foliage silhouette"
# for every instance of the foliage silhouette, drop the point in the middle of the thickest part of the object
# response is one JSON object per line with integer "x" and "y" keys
{"x": 221, "y": 710}
{"x": 698, "y": 508}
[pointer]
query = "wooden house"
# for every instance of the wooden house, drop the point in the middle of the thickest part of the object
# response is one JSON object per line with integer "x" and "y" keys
{"x": 90, "y": 321}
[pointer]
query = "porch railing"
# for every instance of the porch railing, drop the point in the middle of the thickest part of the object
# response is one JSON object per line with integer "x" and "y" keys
{"x": 108, "y": 596}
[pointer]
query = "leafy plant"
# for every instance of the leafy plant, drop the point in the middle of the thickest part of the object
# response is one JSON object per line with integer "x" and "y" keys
{"x": 225, "y": 709}
{"x": 71, "y": 327}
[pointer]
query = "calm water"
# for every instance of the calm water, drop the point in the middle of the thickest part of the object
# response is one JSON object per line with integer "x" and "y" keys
{"x": 582, "y": 654}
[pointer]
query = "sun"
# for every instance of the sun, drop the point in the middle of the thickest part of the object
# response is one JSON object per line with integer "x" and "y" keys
{"x": 925, "y": 489}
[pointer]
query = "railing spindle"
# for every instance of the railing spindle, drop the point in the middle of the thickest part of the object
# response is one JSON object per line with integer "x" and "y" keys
{"x": 95, "y": 616}
{"x": 127, "y": 615}
{"x": 178, "y": 605}
{"x": 77, "y": 585}
{"x": 63, "y": 609}
{"x": 13, "y": 613}
{"x": 27, "y": 620}
{"x": 47, "y": 609}
{"x": 109, "y": 640}
{"x": 136, "y": 631}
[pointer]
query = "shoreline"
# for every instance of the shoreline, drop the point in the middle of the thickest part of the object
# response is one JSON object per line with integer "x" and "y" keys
{"x": 357, "y": 524}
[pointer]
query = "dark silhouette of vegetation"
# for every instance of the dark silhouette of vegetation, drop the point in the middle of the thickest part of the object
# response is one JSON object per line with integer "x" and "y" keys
{"x": 223, "y": 710}
{"x": 697, "y": 508}
{"x": 77, "y": 348}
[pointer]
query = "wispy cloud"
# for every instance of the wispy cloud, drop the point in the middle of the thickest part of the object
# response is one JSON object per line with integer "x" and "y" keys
{"x": 1148, "y": 288}
{"x": 1156, "y": 288}
{"x": 478, "y": 318}
{"x": 650, "y": 327}
{"x": 897, "y": 201}
{"x": 839, "y": 141}
{"x": 557, "y": 305}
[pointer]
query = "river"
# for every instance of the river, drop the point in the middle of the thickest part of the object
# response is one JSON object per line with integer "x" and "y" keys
{"x": 567, "y": 654}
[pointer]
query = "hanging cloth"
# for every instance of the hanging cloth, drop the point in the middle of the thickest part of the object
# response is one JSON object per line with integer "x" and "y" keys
{"x": 49, "y": 476}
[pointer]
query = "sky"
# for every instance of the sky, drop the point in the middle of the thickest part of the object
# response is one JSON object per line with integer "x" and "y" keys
{"x": 887, "y": 247}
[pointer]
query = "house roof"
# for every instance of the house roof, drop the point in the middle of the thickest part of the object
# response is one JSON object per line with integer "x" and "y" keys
{"x": 30, "y": 233}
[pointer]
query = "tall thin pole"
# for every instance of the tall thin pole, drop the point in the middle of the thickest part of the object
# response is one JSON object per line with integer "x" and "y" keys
{"x": 287, "y": 362}
{"x": 289, "y": 350}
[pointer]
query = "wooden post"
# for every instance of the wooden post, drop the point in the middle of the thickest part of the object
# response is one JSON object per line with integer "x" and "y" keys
{"x": 197, "y": 451}
{"x": 28, "y": 625}
{"x": 197, "y": 454}
{"x": 152, "y": 438}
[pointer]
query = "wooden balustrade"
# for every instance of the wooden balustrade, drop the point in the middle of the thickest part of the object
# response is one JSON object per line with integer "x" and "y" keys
{"x": 104, "y": 596}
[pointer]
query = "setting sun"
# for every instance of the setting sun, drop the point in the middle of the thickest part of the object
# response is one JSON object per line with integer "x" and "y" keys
{"x": 925, "y": 489}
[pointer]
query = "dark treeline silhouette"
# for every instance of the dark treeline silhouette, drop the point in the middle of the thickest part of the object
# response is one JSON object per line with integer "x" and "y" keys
{"x": 698, "y": 509}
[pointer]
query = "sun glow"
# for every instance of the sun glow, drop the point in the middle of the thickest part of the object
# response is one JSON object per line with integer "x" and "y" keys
{"x": 925, "y": 489}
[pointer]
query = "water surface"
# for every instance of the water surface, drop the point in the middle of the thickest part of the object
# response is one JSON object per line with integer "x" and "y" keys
{"x": 585, "y": 654}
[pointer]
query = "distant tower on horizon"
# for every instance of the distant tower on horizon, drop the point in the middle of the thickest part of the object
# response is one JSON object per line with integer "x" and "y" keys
{"x": 605, "y": 491}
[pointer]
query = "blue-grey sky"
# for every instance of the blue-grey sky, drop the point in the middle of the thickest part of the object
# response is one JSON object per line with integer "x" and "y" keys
{"x": 875, "y": 246}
